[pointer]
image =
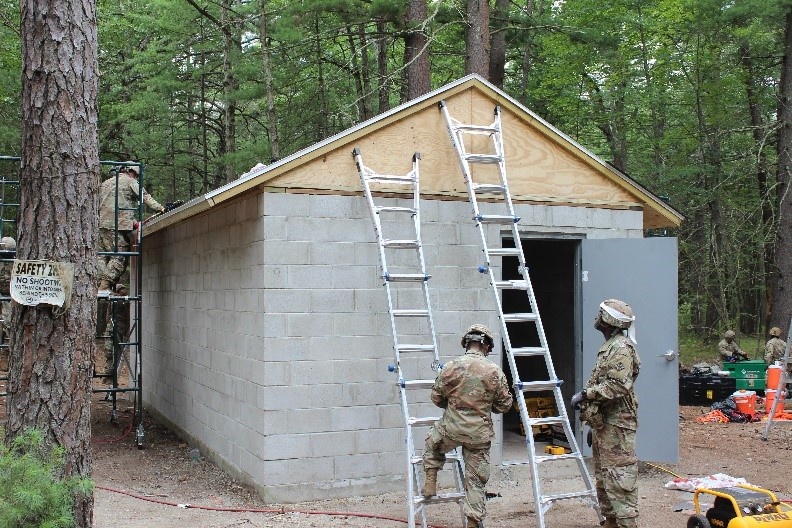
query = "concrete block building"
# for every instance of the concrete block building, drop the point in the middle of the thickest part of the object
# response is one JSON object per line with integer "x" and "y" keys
{"x": 266, "y": 332}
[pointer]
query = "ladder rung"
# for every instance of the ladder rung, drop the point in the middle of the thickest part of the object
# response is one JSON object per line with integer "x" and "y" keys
{"x": 564, "y": 496}
{"x": 533, "y": 386}
{"x": 439, "y": 498}
{"x": 406, "y": 277}
{"x": 497, "y": 219}
{"x": 504, "y": 252}
{"x": 415, "y": 348}
{"x": 551, "y": 458}
{"x": 386, "y": 178}
{"x": 453, "y": 455}
{"x": 411, "y": 313}
{"x": 512, "y": 285}
{"x": 519, "y": 317}
{"x": 528, "y": 351}
{"x": 393, "y": 209}
{"x": 491, "y": 188}
{"x": 515, "y": 462}
{"x": 416, "y": 384}
{"x": 483, "y": 158}
{"x": 419, "y": 421}
{"x": 401, "y": 244}
{"x": 477, "y": 129}
{"x": 547, "y": 420}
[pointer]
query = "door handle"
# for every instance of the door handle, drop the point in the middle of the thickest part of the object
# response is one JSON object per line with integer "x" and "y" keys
{"x": 670, "y": 355}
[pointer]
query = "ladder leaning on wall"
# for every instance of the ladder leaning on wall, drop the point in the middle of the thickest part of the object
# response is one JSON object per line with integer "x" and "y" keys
{"x": 781, "y": 389}
{"x": 493, "y": 184}
{"x": 412, "y": 326}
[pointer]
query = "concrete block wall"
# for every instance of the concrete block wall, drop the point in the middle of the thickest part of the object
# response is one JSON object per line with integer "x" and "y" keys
{"x": 267, "y": 339}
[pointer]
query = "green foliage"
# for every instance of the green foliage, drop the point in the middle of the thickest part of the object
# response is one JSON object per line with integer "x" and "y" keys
{"x": 660, "y": 89}
{"x": 31, "y": 493}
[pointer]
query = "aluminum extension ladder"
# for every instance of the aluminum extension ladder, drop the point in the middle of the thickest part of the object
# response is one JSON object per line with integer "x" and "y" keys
{"x": 781, "y": 388}
{"x": 407, "y": 287}
{"x": 498, "y": 199}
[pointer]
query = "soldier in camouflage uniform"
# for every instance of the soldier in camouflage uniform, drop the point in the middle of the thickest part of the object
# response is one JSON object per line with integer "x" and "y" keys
{"x": 111, "y": 267}
{"x": 774, "y": 350}
{"x": 729, "y": 350}
{"x": 469, "y": 388}
{"x": 7, "y": 246}
{"x": 609, "y": 406}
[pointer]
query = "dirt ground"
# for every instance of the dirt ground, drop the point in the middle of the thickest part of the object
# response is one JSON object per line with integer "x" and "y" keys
{"x": 137, "y": 488}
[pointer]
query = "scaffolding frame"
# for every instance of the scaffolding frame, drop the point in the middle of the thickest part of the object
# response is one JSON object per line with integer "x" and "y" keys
{"x": 126, "y": 345}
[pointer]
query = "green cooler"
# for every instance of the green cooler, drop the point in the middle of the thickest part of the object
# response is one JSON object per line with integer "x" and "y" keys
{"x": 749, "y": 375}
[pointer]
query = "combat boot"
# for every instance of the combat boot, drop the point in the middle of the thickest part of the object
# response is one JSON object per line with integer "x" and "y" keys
{"x": 430, "y": 484}
{"x": 104, "y": 288}
{"x": 609, "y": 522}
{"x": 473, "y": 523}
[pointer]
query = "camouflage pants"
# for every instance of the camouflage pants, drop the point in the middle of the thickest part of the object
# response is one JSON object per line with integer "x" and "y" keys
{"x": 5, "y": 334}
{"x": 112, "y": 267}
{"x": 477, "y": 469}
{"x": 112, "y": 329}
{"x": 616, "y": 471}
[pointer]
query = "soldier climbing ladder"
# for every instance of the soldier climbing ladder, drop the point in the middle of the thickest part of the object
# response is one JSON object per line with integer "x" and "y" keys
{"x": 407, "y": 288}
{"x": 493, "y": 188}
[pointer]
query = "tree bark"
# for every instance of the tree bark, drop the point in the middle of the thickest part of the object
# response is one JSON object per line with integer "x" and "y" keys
{"x": 383, "y": 84}
{"x": 477, "y": 38}
{"x": 497, "y": 67}
{"x": 762, "y": 176}
{"x": 49, "y": 385}
{"x": 782, "y": 291}
{"x": 272, "y": 117}
{"x": 230, "y": 87}
{"x": 416, "y": 57}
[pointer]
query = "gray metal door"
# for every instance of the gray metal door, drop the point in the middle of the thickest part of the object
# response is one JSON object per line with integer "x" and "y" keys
{"x": 643, "y": 273}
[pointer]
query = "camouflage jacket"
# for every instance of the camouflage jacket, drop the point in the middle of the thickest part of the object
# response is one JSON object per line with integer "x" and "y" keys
{"x": 774, "y": 350}
{"x": 128, "y": 192}
{"x": 5, "y": 277}
{"x": 470, "y": 388}
{"x": 610, "y": 391}
{"x": 727, "y": 350}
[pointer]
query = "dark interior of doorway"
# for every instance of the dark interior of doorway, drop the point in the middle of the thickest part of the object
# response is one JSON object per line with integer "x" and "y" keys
{"x": 551, "y": 267}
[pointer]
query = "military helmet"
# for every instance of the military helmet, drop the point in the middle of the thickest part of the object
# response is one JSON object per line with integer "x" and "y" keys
{"x": 133, "y": 167}
{"x": 729, "y": 334}
{"x": 475, "y": 333}
{"x": 616, "y": 313}
{"x": 8, "y": 243}
{"x": 775, "y": 331}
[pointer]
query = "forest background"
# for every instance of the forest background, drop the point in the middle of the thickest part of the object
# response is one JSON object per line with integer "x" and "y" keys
{"x": 685, "y": 96}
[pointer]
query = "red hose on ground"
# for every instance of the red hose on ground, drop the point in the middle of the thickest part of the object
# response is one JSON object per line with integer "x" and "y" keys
{"x": 280, "y": 510}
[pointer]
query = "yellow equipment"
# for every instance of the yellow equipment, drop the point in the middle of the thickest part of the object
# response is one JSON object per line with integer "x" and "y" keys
{"x": 741, "y": 506}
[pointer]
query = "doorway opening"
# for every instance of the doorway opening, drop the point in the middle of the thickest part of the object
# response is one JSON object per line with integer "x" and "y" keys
{"x": 552, "y": 264}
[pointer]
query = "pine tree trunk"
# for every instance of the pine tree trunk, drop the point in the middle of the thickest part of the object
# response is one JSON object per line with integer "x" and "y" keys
{"x": 497, "y": 66}
{"x": 51, "y": 350}
{"x": 416, "y": 58}
{"x": 782, "y": 296}
{"x": 272, "y": 117}
{"x": 230, "y": 87}
{"x": 477, "y": 38}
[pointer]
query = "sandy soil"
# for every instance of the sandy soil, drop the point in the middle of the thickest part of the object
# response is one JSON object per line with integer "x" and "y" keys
{"x": 150, "y": 487}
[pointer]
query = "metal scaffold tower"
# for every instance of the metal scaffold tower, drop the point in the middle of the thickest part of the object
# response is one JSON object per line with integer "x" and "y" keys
{"x": 118, "y": 328}
{"x": 481, "y": 147}
{"x": 416, "y": 356}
